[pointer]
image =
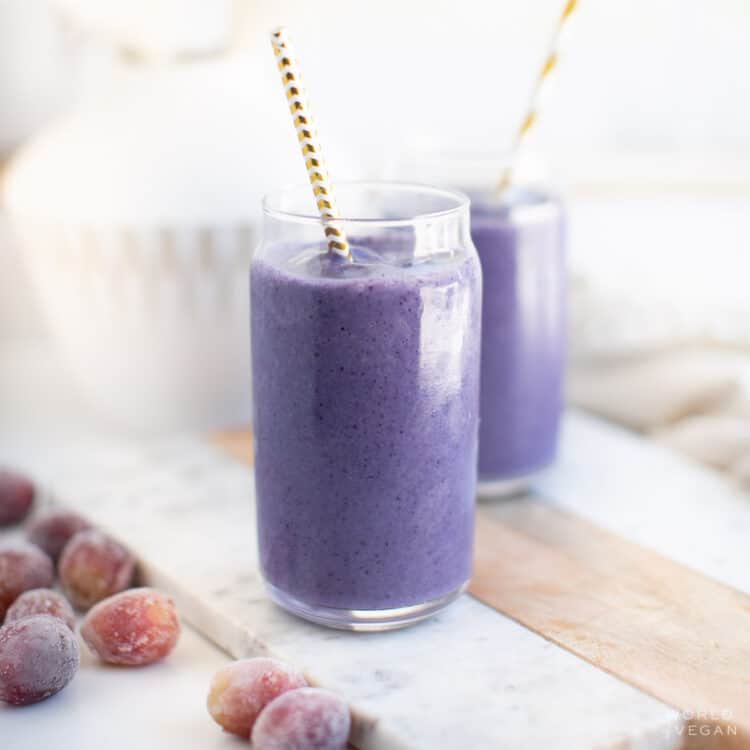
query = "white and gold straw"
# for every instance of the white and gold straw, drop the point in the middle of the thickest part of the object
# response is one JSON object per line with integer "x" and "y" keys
{"x": 311, "y": 151}
{"x": 530, "y": 115}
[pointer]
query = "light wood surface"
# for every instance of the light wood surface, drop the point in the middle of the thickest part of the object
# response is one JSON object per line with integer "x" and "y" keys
{"x": 671, "y": 632}
{"x": 664, "y": 628}
{"x": 237, "y": 443}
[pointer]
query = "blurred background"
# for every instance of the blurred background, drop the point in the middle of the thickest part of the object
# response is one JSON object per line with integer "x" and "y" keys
{"x": 137, "y": 138}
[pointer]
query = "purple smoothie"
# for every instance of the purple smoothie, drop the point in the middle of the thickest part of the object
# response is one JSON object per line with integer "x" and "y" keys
{"x": 366, "y": 390}
{"x": 522, "y": 253}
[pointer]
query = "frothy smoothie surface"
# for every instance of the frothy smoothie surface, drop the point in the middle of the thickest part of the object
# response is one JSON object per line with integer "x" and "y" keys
{"x": 366, "y": 405}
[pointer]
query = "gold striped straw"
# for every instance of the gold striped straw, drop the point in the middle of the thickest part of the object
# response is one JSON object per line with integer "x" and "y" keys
{"x": 308, "y": 141}
{"x": 530, "y": 116}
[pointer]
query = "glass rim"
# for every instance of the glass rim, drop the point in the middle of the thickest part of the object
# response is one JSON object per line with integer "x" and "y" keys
{"x": 549, "y": 205}
{"x": 461, "y": 203}
{"x": 476, "y": 170}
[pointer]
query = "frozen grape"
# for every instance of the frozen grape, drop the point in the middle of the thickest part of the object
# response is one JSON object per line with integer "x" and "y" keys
{"x": 22, "y": 567}
{"x": 54, "y": 529}
{"x": 41, "y": 602}
{"x": 94, "y": 566}
{"x": 16, "y": 497}
{"x": 38, "y": 657}
{"x": 240, "y": 690}
{"x": 134, "y": 628}
{"x": 303, "y": 719}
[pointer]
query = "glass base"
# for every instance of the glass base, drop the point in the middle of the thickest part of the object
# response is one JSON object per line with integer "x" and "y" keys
{"x": 493, "y": 488}
{"x": 364, "y": 620}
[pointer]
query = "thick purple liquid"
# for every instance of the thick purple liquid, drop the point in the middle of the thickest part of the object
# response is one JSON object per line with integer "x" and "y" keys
{"x": 523, "y": 338}
{"x": 366, "y": 392}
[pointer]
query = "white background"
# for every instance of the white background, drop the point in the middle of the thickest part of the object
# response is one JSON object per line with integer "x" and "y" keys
{"x": 647, "y": 120}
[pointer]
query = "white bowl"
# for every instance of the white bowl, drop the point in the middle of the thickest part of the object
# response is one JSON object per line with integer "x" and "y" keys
{"x": 153, "y": 323}
{"x": 137, "y": 220}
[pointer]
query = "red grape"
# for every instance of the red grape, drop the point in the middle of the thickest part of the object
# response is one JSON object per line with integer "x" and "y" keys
{"x": 133, "y": 628}
{"x": 41, "y": 602}
{"x": 53, "y": 530}
{"x": 38, "y": 657}
{"x": 240, "y": 690}
{"x": 94, "y": 566}
{"x": 22, "y": 567}
{"x": 303, "y": 719}
{"x": 16, "y": 497}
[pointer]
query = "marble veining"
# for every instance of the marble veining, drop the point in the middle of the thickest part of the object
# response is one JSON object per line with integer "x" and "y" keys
{"x": 467, "y": 678}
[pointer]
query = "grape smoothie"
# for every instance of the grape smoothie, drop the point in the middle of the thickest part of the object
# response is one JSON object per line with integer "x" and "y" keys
{"x": 521, "y": 248}
{"x": 366, "y": 393}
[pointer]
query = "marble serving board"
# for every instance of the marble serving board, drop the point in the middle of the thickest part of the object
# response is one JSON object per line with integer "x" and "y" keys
{"x": 469, "y": 678}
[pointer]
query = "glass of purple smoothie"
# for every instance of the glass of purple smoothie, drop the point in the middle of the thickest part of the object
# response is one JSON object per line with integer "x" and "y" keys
{"x": 366, "y": 398}
{"x": 520, "y": 239}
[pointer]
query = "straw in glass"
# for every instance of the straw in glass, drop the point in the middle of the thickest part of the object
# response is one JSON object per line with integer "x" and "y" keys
{"x": 312, "y": 153}
{"x": 530, "y": 115}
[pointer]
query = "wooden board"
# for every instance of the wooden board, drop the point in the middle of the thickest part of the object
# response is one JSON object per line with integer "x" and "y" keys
{"x": 664, "y": 628}
{"x": 672, "y": 632}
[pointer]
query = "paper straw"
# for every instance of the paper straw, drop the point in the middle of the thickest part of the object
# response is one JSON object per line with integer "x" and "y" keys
{"x": 530, "y": 115}
{"x": 317, "y": 172}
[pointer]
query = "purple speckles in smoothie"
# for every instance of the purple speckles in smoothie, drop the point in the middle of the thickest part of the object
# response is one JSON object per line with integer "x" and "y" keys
{"x": 523, "y": 334}
{"x": 366, "y": 407}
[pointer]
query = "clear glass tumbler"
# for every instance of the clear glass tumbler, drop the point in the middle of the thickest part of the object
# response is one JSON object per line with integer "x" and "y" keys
{"x": 366, "y": 398}
{"x": 521, "y": 240}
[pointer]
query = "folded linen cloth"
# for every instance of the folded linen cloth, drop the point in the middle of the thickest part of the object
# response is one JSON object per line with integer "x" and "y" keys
{"x": 689, "y": 389}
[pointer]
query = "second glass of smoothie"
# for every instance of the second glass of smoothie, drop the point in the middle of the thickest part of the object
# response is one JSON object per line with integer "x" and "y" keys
{"x": 366, "y": 394}
{"x": 520, "y": 236}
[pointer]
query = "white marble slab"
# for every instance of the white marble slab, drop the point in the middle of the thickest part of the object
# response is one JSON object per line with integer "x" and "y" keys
{"x": 651, "y": 495}
{"x": 469, "y": 678}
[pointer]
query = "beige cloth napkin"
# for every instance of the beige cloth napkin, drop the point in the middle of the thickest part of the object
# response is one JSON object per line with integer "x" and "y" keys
{"x": 696, "y": 400}
{"x": 686, "y": 385}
